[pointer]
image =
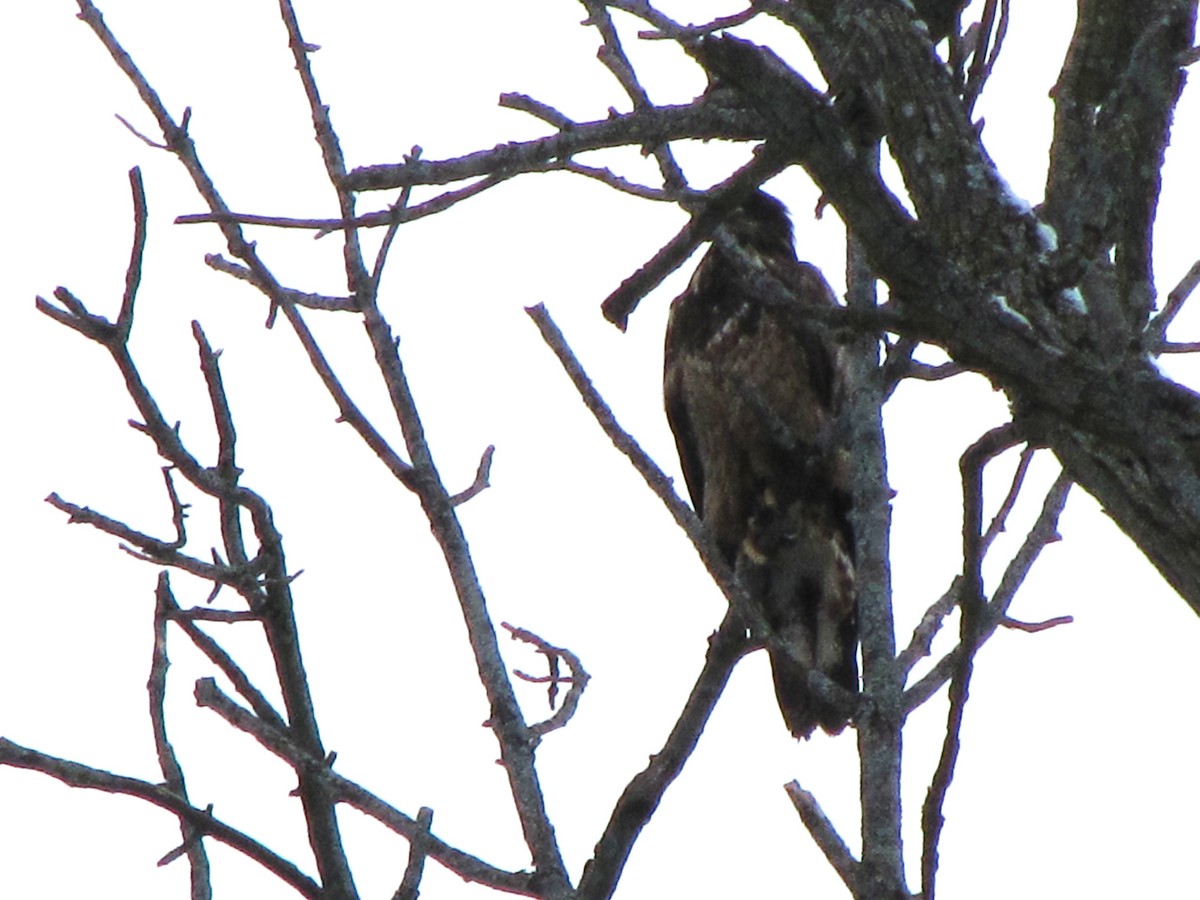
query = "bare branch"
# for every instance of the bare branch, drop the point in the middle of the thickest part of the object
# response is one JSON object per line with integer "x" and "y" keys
{"x": 624, "y": 185}
{"x": 1043, "y": 532}
{"x": 389, "y": 236}
{"x": 78, "y": 775}
{"x": 983, "y": 62}
{"x": 666, "y": 29}
{"x": 168, "y": 762}
{"x": 577, "y": 680}
{"x": 133, "y": 274}
{"x": 335, "y": 167}
{"x": 724, "y": 198}
{"x": 971, "y": 630}
{"x": 410, "y": 884}
{"x": 147, "y": 141}
{"x": 642, "y": 795}
{"x": 208, "y": 614}
{"x": 652, "y": 126}
{"x": 537, "y": 109}
{"x": 158, "y": 550}
{"x": 922, "y": 640}
{"x": 343, "y": 790}
{"x": 226, "y": 469}
{"x": 1001, "y": 518}
{"x": 299, "y": 298}
{"x": 1187, "y": 347}
{"x": 481, "y": 483}
{"x": 1034, "y": 627}
{"x": 825, "y": 835}
{"x": 612, "y": 55}
{"x": 662, "y": 486}
{"x": 390, "y": 217}
{"x": 879, "y": 722}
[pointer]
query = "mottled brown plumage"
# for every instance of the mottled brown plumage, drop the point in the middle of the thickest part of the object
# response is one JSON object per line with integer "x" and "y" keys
{"x": 752, "y": 393}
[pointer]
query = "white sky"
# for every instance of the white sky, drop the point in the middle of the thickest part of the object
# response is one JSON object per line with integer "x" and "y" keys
{"x": 1076, "y": 774}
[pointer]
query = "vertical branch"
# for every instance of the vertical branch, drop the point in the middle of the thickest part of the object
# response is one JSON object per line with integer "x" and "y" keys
{"x": 879, "y": 724}
{"x": 172, "y": 772}
{"x": 357, "y": 278}
{"x": 133, "y": 274}
{"x": 226, "y": 470}
{"x": 516, "y": 741}
{"x": 410, "y": 884}
{"x": 506, "y": 720}
{"x": 279, "y": 624}
{"x": 612, "y": 55}
{"x": 972, "y": 606}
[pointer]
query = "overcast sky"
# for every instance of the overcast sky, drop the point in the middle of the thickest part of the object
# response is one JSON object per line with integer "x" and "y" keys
{"x": 1077, "y": 773}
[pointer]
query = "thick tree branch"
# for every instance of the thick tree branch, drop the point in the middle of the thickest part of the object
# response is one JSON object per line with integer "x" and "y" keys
{"x": 880, "y": 721}
{"x": 976, "y": 278}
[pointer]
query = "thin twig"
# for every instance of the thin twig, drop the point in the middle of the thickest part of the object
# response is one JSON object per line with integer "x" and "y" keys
{"x": 133, "y": 274}
{"x": 665, "y": 29}
{"x": 662, "y": 486}
{"x": 536, "y": 108}
{"x": 1034, "y": 627}
{"x": 227, "y": 469}
{"x": 1043, "y": 532}
{"x": 982, "y": 62}
{"x": 481, "y": 482}
{"x": 972, "y": 607}
{"x": 577, "y": 680}
{"x": 931, "y": 623}
{"x": 1174, "y": 347}
{"x": 389, "y": 236}
{"x": 173, "y": 778}
{"x": 612, "y": 55}
{"x": 299, "y": 298}
{"x": 162, "y": 551}
{"x": 1157, "y": 329}
{"x": 148, "y": 141}
{"x": 1000, "y": 519}
{"x": 825, "y": 835}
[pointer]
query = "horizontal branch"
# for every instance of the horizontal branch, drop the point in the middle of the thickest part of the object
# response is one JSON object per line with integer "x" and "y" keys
{"x": 646, "y": 127}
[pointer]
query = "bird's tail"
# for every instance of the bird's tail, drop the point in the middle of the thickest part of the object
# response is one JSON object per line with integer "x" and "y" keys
{"x": 803, "y": 710}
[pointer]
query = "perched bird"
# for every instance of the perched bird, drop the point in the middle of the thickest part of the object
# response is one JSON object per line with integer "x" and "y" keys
{"x": 940, "y": 16}
{"x": 752, "y": 392}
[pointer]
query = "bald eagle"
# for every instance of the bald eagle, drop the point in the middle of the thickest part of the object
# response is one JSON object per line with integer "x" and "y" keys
{"x": 752, "y": 394}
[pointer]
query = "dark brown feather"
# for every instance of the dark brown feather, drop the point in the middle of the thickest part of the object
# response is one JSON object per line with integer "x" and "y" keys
{"x": 752, "y": 393}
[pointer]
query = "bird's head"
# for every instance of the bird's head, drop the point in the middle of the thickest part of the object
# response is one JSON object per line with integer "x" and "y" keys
{"x": 761, "y": 223}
